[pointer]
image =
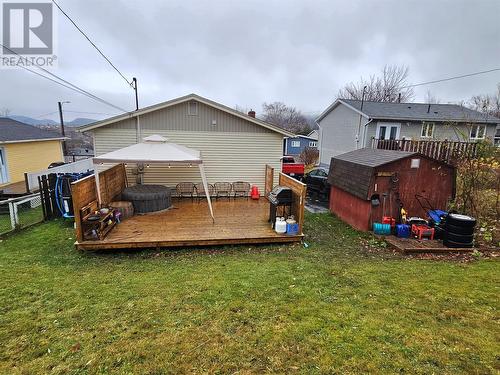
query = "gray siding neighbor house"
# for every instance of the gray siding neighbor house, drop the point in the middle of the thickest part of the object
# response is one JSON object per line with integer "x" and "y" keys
{"x": 347, "y": 124}
{"x": 234, "y": 146}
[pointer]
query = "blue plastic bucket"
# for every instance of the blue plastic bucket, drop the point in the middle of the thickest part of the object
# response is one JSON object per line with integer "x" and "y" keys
{"x": 379, "y": 228}
{"x": 403, "y": 230}
{"x": 292, "y": 229}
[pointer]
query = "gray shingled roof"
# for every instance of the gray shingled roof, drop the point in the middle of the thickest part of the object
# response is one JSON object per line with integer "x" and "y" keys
{"x": 353, "y": 171}
{"x": 372, "y": 157}
{"x": 420, "y": 112}
{"x": 12, "y": 130}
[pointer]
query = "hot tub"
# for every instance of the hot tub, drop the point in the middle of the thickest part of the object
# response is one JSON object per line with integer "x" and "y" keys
{"x": 148, "y": 198}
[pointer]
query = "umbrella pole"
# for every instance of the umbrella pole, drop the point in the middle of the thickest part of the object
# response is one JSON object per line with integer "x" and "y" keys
{"x": 97, "y": 185}
{"x": 207, "y": 192}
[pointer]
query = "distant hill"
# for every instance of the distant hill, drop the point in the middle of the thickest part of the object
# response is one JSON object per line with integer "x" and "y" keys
{"x": 47, "y": 122}
{"x": 32, "y": 121}
{"x": 80, "y": 121}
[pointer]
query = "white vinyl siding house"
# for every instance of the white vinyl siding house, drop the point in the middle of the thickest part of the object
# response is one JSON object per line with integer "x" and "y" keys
{"x": 338, "y": 132}
{"x": 234, "y": 147}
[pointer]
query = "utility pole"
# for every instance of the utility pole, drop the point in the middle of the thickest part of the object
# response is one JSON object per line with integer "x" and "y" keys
{"x": 65, "y": 151}
{"x": 134, "y": 80}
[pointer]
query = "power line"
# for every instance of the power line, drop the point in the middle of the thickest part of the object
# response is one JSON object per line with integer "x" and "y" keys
{"x": 452, "y": 78}
{"x": 93, "y": 44}
{"x": 66, "y": 83}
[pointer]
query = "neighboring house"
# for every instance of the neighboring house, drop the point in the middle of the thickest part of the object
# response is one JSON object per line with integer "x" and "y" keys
{"x": 295, "y": 145}
{"x": 25, "y": 148}
{"x": 234, "y": 146}
{"x": 314, "y": 134}
{"x": 345, "y": 126}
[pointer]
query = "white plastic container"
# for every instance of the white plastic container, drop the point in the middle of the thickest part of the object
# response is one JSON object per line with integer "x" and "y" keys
{"x": 280, "y": 225}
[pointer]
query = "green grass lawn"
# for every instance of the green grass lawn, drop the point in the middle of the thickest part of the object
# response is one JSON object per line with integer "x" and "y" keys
{"x": 27, "y": 217}
{"x": 334, "y": 307}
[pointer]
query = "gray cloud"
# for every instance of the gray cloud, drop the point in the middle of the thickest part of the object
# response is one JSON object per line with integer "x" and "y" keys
{"x": 247, "y": 52}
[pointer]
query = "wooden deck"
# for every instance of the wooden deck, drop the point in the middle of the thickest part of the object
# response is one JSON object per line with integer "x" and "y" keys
{"x": 412, "y": 245}
{"x": 15, "y": 188}
{"x": 188, "y": 223}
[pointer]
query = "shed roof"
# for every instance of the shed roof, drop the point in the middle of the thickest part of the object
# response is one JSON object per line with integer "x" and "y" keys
{"x": 353, "y": 171}
{"x": 12, "y": 131}
{"x": 414, "y": 111}
{"x": 372, "y": 157}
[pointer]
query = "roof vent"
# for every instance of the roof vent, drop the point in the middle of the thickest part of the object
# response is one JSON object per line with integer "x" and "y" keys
{"x": 436, "y": 112}
{"x": 409, "y": 107}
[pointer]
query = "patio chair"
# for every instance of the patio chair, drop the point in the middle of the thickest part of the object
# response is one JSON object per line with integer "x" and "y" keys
{"x": 223, "y": 189}
{"x": 185, "y": 189}
{"x": 241, "y": 189}
{"x": 200, "y": 191}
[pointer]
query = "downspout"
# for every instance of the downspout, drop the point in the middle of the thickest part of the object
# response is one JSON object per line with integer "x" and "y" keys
{"x": 320, "y": 141}
{"x": 360, "y": 116}
{"x": 140, "y": 167}
{"x": 365, "y": 130}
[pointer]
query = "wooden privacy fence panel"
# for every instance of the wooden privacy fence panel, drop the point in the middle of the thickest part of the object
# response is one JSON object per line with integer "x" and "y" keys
{"x": 269, "y": 179}
{"x": 445, "y": 151}
{"x": 299, "y": 197}
{"x": 111, "y": 181}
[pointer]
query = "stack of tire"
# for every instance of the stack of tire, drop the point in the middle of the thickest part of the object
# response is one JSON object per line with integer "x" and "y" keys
{"x": 459, "y": 231}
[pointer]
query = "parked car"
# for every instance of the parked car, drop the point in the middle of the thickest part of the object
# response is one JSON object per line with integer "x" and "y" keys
{"x": 292, "y": 168}
{"x": 317, "y": 181}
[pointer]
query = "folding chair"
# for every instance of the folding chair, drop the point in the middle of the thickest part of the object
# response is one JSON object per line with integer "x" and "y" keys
{"x": 185, "y": 189}
{"x": 241, "y": 189}
{"x": 223, "y": 189}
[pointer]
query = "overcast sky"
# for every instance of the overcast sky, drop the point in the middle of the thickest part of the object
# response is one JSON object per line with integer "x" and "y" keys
{"x": 247, "y": 52}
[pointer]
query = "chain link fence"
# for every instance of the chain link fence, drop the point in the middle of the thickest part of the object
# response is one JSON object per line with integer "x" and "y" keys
{"x": 18, "y": 213}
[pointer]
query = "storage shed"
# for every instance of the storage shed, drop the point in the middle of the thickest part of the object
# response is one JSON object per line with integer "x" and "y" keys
{"x": 367, "y": 184}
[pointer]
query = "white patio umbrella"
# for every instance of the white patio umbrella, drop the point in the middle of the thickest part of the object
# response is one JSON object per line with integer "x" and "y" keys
{"x": 155, "y": 149}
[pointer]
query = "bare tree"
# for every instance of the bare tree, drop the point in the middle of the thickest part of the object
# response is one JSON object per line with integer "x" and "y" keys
{"x": 288, "y": 118}
{"x": 431, "y": 99}
{"x": 309, "y": 156}
{"x": 390, "y": 86}
{"x": 486, "y": 103}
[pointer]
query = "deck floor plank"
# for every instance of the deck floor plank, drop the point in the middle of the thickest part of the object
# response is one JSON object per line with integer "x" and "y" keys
{"x": 188, "y": 223}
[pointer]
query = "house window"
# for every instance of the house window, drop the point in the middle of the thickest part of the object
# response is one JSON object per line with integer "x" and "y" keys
{"x": 3, "y": 167}
{"x": 295, "y": 143}
{"x": 427, "y": 130}
{"x": 477, "y": 131}
{"x": 193, "y": 108}
{"x": 388, "y": 131}
{"x": 313, "y": 144}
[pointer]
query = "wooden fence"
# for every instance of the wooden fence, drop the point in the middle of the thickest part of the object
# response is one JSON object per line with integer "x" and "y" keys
{"x": 111, "y": 181}
{"x": 445, "y": 151}
{"x": 269, "y": 179}
{"x": 299, "y": 197}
